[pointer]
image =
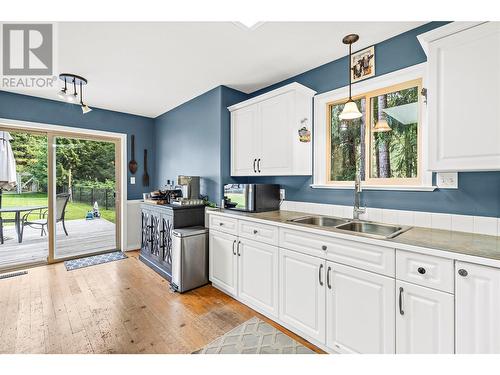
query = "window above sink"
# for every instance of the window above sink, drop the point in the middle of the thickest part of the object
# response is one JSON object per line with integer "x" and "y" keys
{"x": 392, "y": 160}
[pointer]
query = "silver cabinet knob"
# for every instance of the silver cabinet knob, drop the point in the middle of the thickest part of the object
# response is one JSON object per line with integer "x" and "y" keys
{"x": 255, "y": 231}
{"x": 324, "y": 247}
{"x": 421, "y": 270}
{"x": 221, "y": 224}
{"x": 462, "y": 272}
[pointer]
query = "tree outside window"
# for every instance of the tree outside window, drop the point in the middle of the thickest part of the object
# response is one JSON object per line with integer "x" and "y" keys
{"x": 380, "y": 157}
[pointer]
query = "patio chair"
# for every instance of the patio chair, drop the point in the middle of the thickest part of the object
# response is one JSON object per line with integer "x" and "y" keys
{"x": 61, "y": 203}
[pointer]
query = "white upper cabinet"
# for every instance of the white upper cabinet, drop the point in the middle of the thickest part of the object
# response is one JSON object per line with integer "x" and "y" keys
{"x": 463, "y": 96}
{"x": 477, "y": 309}
{"x": 265, "y": 133}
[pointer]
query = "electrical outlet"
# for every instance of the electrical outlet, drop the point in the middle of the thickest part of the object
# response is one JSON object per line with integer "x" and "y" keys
{"x": 132, "y": 180}
{"x": 282, "y": 194}
{"x": 447, "y": 180}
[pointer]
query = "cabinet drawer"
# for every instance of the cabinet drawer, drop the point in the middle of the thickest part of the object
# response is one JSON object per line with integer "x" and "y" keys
{"x": 258, "y": 232}
{"x": 426, "y": 270}
{"x": 224, "y": 224}
{"x": 364, "y": 256}
{"x": 304, "y": 242}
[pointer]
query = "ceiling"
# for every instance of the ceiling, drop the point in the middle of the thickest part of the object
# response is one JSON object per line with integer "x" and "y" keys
{"x": 150, "y": 68}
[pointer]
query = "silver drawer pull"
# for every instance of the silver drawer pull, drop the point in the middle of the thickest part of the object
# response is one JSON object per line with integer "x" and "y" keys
{"x": 324, "y": 247}
{"x": 221, "y": 224}
{"x": 319, "y": 274}
{"x": 328, "y": 278}
{"x": 255, "y": 231}
{"x": 421, "y": 270}
{"x": 401, "y": 311}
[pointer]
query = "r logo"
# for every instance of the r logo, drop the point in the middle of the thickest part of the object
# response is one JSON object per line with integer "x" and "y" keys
{"x": 27, "y": 49}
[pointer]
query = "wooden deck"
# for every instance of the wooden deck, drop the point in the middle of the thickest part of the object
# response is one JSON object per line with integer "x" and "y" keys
{"x": 84, "y": 236}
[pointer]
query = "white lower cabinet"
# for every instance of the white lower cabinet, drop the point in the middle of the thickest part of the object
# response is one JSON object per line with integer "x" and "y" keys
{"x": 357, "y": 305}
{"x": 223, "y": 260}
{"x": 258, "y": 275}
{"x": 302, "y": 293}
{"x": 359, "y": 310}
{"x": 477, "y": 310}
{"x": 424, "y": 320}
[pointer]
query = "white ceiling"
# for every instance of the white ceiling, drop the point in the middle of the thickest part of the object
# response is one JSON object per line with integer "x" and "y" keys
{"x": 150, "y": 68}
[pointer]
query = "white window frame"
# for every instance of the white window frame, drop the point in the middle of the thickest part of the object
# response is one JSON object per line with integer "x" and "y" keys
{"x": 321, "y": 103}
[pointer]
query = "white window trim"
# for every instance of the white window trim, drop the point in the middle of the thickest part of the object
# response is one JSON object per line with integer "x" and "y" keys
{"x": 320, "y": 127}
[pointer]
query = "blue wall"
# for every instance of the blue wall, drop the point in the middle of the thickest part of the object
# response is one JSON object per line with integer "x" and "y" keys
{"x": 191, "y": 139}
{"x": 28, "y": 108}
{"x": 478, "y": 193}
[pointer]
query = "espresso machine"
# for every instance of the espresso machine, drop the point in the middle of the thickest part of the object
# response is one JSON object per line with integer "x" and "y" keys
{"x": 190, "y": 187}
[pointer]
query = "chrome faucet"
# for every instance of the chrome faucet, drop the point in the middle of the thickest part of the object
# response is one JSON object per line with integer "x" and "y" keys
{"x": 357, "y": 198}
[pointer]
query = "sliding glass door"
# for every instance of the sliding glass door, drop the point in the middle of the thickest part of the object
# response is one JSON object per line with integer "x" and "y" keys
{"x": 23, "y": 198}
{"x": 61, "y": 197}
{"x": 85, "y": 212}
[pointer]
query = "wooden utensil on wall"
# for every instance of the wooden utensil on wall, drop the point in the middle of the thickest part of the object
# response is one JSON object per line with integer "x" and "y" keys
{"x": 132, "y": 164}
{"x": 145, "y": 176}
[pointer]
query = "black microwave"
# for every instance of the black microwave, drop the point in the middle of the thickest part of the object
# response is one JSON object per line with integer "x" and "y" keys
{"x": 252, "y": 197}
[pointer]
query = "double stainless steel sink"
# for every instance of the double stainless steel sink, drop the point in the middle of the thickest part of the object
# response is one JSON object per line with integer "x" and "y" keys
{"x": 364, "y": 228}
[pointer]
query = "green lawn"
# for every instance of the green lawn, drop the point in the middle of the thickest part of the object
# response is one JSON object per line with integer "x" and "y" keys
{"x": 74, "y": 210}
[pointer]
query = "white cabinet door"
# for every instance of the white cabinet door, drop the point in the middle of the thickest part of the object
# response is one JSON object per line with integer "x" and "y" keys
{"x": 223, "y": 265}
{"x": 359, "y": 310}
{"x": 477, "y": 293}
{"x": 463, "y": 99}
{"x": 244, "y": 141}
{"x": 258, "y": 275}
{"x": 424, "y": 320}
{"x": 275, "y": 156}
{"x": 302, "y": 293}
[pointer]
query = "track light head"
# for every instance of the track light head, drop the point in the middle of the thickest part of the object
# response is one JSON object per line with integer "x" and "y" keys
{"x": 86, "y": 108}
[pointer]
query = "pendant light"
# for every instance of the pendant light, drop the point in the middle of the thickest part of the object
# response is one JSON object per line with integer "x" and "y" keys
{"x": 350, "y": 110}
{"x": 381, "y": 126}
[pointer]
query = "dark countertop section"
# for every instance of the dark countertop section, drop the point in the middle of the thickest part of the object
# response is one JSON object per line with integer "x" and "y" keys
{"x": 457, "y": 242}
{"x": 170, "y": 206}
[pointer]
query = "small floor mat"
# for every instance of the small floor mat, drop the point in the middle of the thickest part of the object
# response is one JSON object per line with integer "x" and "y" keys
{"x": 94, "y": 260}
{"x": 254, "y": 337}
{"x": 13, "y": 274}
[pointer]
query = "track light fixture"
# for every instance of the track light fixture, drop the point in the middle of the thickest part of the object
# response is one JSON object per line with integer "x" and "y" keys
{"x": 74, "y": 80}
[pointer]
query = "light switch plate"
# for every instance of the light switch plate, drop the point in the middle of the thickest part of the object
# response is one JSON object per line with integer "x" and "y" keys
{"x": 447, "y": 180}
{"x": 282, "y": 194}
{"x": 132, "y": 180}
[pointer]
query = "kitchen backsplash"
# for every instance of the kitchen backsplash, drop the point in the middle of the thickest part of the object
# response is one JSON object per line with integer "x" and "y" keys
{"x": 462, "y": 223}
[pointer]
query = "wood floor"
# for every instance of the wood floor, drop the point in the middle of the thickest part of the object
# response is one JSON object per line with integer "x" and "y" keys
{"x": 84, "y": 236}
{"x": 118, "y": 307}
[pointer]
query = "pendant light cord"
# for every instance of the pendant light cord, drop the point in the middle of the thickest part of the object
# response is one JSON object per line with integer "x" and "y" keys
{"x": 350, "y": 70}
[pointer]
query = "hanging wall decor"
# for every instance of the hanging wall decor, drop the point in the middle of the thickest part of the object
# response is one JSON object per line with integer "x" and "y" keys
{"x": 304, "y": 132}
{"x": 363, "y": 64}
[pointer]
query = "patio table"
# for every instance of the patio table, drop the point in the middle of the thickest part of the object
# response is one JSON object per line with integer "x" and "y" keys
{"x": 17, "y": 216}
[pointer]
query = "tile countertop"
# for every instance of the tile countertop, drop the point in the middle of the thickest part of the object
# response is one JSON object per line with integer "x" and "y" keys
{"x": 469, "y": 244}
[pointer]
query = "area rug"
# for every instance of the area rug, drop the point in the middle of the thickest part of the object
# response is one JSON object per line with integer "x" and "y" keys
{"x": 94, "y": 260}
{"x": 254, "y": 337}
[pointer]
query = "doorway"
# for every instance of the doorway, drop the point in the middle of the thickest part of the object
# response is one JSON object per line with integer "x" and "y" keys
{"x": 75, "y": 183}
